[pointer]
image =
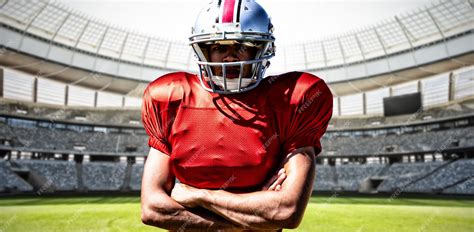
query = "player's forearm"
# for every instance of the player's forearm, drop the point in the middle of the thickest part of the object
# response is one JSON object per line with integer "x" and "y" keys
{"x": 257, "y": 210}
{"x": 261, "y": 209}
{"x": 267, "y": 209}
{"x": 164, "y": 213}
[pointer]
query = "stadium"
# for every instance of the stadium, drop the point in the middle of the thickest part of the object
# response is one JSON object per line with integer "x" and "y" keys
{"x": 398, "y": 154}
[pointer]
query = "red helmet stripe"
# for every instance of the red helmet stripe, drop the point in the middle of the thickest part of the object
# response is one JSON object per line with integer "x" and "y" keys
{"x": 228, "y": 11}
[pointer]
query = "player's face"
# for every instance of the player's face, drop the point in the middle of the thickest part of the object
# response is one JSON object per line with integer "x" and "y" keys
{"x": 232, "y": 53}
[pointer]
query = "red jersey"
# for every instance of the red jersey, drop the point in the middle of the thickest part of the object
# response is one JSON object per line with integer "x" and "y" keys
{"x": 234, "y": 141}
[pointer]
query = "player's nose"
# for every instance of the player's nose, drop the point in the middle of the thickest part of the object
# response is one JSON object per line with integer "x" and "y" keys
{"x": 230, "y": 56}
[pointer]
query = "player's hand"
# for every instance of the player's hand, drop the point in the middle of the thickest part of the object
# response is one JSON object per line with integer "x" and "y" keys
{"x": 274, "y": 184}
{"x": 185, "y": 195}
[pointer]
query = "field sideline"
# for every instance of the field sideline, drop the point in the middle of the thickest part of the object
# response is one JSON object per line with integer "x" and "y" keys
{"x": 323, "y": 214}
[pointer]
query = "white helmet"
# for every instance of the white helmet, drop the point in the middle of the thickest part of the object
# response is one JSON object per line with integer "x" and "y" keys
{"x": 229, "y": 22}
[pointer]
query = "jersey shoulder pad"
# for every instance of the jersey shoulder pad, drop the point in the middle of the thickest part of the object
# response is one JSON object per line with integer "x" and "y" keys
{"x": 170, "y": 87}
{"x": 292, "y": 86}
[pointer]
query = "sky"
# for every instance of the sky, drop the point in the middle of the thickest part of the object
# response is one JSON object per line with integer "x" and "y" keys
{"x": 294, "y": 20}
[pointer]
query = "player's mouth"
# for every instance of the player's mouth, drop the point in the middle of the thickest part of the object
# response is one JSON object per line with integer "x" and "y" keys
{"x": 232, "y": 73}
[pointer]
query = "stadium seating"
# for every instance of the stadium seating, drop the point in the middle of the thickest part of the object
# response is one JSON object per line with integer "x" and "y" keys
{"x": 101, "y": 176}
{"x": 324, "y": 180}
{"x": 465, "y": 187}
{"x": 350, "y": 176}
{"x": 136, "y": 178}
{"x": 431, "y": 177}
{"x": 71, "y": 114}
{"x": 62, "y": 173}
{"x": 125, "y": 116}
{"x": 61, "y": 139}
{"x": 423, "y": 141}
{"x": 5, "y": 132}
{"x": 431, "y": 114}
{"x": 400, "y": 175}
{"x": 10, "y": 182}
{"x": 447, "y": 176}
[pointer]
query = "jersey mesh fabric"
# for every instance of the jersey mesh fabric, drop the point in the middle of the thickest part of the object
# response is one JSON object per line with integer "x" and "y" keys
{"x": 234, "y": 141}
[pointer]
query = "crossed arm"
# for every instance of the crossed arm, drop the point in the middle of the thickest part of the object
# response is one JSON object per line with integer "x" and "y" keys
{"x": 172, "y": 207}
{"x": 160, "y": 210}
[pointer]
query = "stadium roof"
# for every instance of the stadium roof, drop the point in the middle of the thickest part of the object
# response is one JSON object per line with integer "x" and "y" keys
{"x": 90, "y": 52}
{"x": 55, "y": 22}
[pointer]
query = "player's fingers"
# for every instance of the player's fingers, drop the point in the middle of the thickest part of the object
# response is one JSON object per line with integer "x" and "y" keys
{"x": 281, "y": 171}
{"x": 270, "y": 183}
{"x": 273, "y": 182}
{"x": 278, "y": 181}
{"x": 278, "y": 188}
{"x": 272, "y": 188}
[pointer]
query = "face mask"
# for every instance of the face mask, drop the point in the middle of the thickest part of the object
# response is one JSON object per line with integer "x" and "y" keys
{"x": 232, "y": 84}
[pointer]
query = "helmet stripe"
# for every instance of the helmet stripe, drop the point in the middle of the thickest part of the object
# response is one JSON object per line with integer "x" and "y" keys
{"x": 228, "y": 11}
{"x": 238, "y": 11}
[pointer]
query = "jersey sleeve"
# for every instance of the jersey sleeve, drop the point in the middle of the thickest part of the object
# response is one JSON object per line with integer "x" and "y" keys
{"x": 309, "y": 118}
{"x": 155, "y": 118}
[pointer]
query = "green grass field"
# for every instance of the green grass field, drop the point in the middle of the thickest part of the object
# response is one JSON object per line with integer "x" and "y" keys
{"x": 322, "y": 214}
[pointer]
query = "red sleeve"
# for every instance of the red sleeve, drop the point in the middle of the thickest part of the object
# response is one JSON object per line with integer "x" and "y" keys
{"x": 309, "y": 118}
{"x": 156, "y": 120}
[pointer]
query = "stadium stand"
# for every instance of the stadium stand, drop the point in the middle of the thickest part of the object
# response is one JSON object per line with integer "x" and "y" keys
{"x": 97, "y": 137}
{"x": 10, "y": 182}
{"x": 402, "y": 143}
{"x": 102, "y": 176}
{"x": 62, "y": 174}
{"x": 454, "y": 109}
{"x": 136, "y": 178}
{"x": 324, "y": 180}
{"x": 400, "y": 175}
{"x": 350, "y": 176}
{"x": 464, "y": 187}
{"x": 69, "y": 140}
{"x": 49, "y": 112}
{"x": 56, "y": 140}
{"x": 453, "y": 173}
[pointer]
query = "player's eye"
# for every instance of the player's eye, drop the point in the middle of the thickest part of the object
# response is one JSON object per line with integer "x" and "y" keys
{"x": 218, "y": 48}
{"x": 241, "y": 48}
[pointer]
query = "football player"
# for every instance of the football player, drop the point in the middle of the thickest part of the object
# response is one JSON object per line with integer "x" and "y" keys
{"x": 241, "y": 145}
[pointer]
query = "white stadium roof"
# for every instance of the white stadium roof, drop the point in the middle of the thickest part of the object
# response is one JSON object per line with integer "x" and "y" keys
{"x": 86, "y": 56}
{"x": 56, "y": 23}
